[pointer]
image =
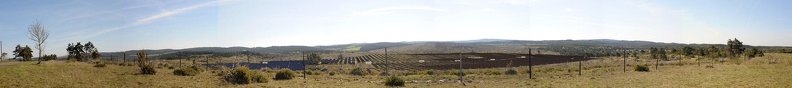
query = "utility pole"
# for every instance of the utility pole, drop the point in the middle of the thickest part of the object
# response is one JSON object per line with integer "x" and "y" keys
{"x": 387, "y": 62}
{"x": 460, "y": 69}
{"x": 530, "y": 65}
{"x": 1, "y": 51}
{"x": 123, "y": 57}
{"x": 304, "y": 62}
{"x": 657, "y": 63}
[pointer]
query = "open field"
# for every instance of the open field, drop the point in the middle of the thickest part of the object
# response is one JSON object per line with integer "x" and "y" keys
{"x": 769, "y": 71}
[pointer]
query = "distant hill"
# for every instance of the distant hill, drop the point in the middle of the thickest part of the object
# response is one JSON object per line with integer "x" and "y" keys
{"x": 450, "y": 47}
{"x": 363, "y": 46}
{"x": 567, "y": 47}
{"x": 217, "y": 51}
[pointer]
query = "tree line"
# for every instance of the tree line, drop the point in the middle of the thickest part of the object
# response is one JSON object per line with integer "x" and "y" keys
{"x": 734, "y": 48}
{"x": 81, "y": 52}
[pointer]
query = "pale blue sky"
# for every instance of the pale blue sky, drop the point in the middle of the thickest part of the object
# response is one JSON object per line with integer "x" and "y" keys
{"x": 149, "y": 24}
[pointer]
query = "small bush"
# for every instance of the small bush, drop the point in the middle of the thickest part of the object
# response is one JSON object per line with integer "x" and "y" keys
{"x": 394, "y": 81}
{"x": 171, "y": 67}
{"x": 511, "y": 72}
{"x": 243, "y": 75}
{"x": 709, "y": 66}
{"x": 284, "y": 74}
{"x": 100, "y": 65}
{"x": 199, "y": 68}
{"x": 185, "y": 72}
{"x": 332, "y": 73}
{"x": 357, "y": 72}
{"x": 641, "y": 68}
{"x": 259, "y": 77}
{"x": 147, "y": 70}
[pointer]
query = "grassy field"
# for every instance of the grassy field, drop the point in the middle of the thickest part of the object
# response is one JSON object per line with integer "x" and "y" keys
{"x": 769, "y": 71}
{"x": 352, "y": 48}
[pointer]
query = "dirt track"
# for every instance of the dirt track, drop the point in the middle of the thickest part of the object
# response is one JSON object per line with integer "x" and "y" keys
{"x": 3, "y": 64}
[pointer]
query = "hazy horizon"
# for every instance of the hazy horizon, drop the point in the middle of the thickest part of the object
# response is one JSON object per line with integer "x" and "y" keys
{"x": 152, "y": 24}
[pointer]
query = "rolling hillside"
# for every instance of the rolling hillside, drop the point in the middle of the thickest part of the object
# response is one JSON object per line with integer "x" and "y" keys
{"x": 565, "y": 47}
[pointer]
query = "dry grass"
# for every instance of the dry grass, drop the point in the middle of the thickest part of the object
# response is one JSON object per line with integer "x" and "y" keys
{"x": 81, "y": 75}
{"x": 769, "y": 71}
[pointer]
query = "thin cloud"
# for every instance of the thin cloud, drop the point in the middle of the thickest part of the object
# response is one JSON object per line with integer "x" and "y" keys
{"x": 391, "y": 9}
{"x": 153, "y": 18}
{"x": 174, "y": 12}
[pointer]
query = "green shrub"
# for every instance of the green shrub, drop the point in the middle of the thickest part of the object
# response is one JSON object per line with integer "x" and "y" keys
{"x": 147, "y": 70}
{"x": 394, "y": 81}
{"x": 185, "y": 72}
{"x": 145, "y": 67}
{"x": 641, "y": 68}
{"x": 511, "y": 72}
{"x": 259, "y": 77}
{"x": 357, "y": 72}
{"x": 710, "y": 66}
{"x": 332, "y": 73}
{"x": 284, "y": 74}
{"x": 199, "y": 68}
{"x": 171, "y": 67}
{"x": 243, "y": 75}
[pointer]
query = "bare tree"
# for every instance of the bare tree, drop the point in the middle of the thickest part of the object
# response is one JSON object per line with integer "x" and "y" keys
{"x": 38, "y": 34}
{"x": 3, "y": 56}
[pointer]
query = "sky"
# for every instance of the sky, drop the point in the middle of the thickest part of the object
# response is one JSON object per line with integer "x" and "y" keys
{"x": 120, "y": 25}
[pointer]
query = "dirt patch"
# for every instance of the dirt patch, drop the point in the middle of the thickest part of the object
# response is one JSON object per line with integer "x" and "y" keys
{"x": 3, "y": 64}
